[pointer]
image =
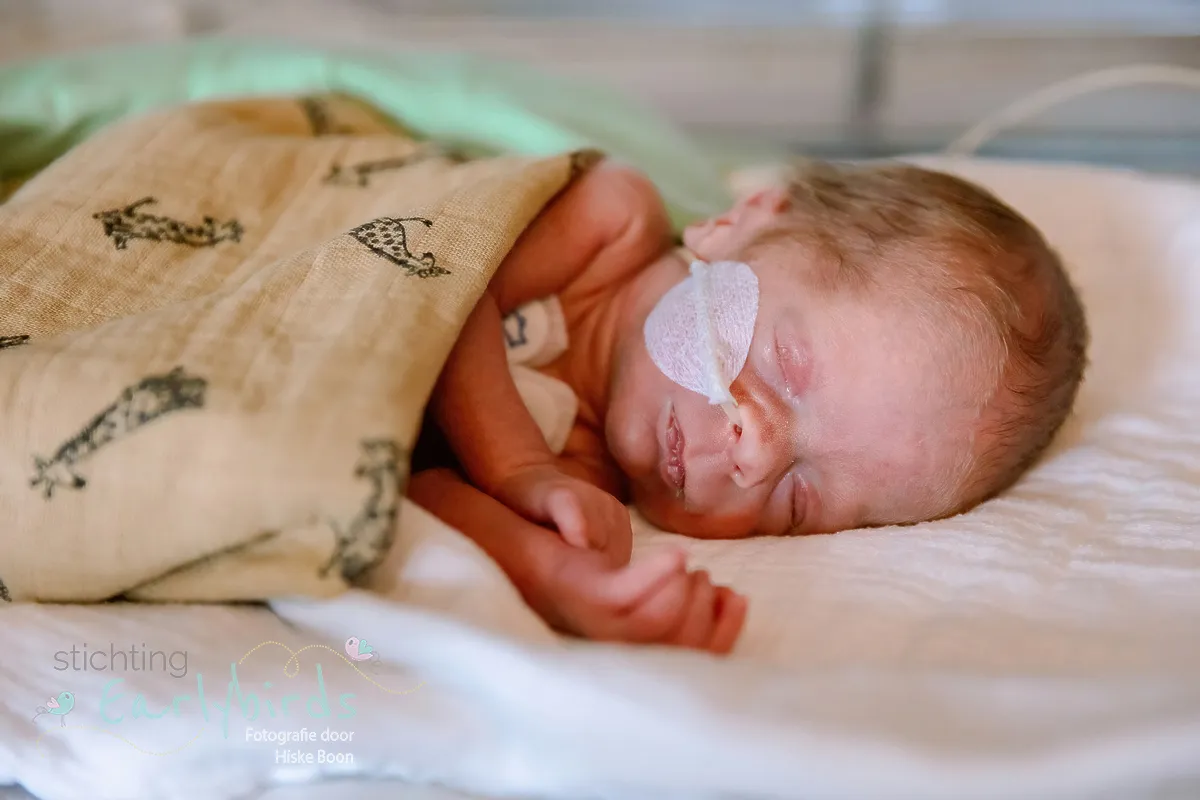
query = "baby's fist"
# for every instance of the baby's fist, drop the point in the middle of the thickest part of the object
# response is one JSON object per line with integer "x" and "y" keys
{"x": 585, "y": 515}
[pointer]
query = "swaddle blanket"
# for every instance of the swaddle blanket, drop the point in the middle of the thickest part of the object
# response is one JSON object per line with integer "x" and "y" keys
{"x": 221, "y": 325}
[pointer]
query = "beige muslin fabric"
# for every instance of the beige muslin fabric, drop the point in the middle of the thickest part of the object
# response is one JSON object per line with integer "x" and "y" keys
{"x": 221, "y": 325}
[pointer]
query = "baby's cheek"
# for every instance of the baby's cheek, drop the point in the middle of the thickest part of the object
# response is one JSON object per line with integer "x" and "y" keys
{"x": 775, "y": 517}
{"x": 729, "y": 526}
{"x": 654, "y": 507}
{"x": 668, "y": 514}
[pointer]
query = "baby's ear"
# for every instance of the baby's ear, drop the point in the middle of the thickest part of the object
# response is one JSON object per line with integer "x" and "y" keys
{"x": 771, "y": 200}
{"x": 757, "y": 210}
{"x": 717, "y": 238}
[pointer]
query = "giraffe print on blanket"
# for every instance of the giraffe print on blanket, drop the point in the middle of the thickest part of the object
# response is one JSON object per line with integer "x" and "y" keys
{"x": 364, "y": 542}
{"x": 13, "y": 341}
{"x": 583, "y": 160}
{"x": 138, "y": 405}
{"x": 360, "y": 174}
{"x": 125, "y": 224}
{"x": 388, "y": 237}
{"x": 320, "y": 118}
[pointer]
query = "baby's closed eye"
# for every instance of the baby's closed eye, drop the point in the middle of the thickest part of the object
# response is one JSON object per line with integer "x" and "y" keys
{"x": 785, "y": 508}
{"x": 799, "y": 496}
{"x": 790, "y": 363}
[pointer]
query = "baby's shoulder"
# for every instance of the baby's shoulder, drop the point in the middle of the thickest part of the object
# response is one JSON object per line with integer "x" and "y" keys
{"x": 608, "y": 223}
{"x": 618, "y": 195}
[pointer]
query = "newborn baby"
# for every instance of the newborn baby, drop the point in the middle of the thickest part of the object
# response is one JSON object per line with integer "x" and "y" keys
{"x": 911, "y": 345}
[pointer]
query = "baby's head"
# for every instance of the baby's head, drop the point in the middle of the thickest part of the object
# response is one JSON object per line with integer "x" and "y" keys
{"x": 917, "y": 347}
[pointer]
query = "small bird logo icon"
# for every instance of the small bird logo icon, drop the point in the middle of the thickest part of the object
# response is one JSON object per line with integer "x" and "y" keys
{"x": 58, "y": 706}
{"x": 358, "y": 650}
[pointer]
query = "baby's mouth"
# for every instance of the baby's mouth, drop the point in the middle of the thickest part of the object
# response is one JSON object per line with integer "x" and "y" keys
{"x": 676, "y": 474}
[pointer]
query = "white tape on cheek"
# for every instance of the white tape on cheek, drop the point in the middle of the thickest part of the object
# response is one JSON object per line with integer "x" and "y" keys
{"x": 699, "y": 333}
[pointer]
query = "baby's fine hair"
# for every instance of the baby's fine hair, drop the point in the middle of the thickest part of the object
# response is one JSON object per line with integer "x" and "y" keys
{"x": 969, "y": 253}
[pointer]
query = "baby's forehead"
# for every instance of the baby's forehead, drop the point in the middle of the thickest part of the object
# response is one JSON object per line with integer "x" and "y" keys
{"x": 944, "y": 296}
{"x": 925, "y": 264}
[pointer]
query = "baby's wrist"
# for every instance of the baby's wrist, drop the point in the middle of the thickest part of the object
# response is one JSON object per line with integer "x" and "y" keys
{"x": 517, "y": 470}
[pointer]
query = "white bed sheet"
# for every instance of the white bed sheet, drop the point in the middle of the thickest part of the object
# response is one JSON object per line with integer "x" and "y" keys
{"x": 1044, "y": 645}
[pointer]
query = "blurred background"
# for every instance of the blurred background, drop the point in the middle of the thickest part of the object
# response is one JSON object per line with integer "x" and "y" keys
{"x": 838, "y": 78}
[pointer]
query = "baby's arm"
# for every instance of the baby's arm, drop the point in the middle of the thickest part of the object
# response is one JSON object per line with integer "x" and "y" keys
{"x": 502, "y": 450}
{"x": 478, "y": 407}
{"x": 605, "y": 226}
{"x": 655, "y": 600}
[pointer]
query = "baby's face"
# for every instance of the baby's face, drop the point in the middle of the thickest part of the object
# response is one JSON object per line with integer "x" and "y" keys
{"x": 854, "y": 409}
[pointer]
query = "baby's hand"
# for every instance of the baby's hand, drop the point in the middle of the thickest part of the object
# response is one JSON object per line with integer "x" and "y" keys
{"x": 585, "y": 515}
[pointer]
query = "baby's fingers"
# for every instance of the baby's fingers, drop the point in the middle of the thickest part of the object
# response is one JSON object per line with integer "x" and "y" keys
{"x": 730, "y": 615}
{"x": 661, "y": 614}
{"x": 700, "y": 616}
{"x": 618, "y": 544}
{"x": 631, "y": 586}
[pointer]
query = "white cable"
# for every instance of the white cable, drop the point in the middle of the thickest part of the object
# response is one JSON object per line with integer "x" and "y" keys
{"x": 1044, "y": 99}
{"x": 708, "y": 332}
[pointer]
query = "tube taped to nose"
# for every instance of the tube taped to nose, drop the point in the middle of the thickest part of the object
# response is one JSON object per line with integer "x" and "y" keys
{"x": 699, "y": 333}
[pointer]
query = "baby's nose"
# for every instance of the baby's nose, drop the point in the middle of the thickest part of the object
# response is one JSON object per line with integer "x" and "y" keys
{"x": 760, "y": 454}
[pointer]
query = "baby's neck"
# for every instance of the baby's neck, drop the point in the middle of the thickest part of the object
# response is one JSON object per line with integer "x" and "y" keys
{"x": 605, "y": 325}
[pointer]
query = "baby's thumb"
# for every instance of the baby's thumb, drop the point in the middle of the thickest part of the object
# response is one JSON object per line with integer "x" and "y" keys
{"x": 564, "y": 509}
{"x": 534, "y": 502}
